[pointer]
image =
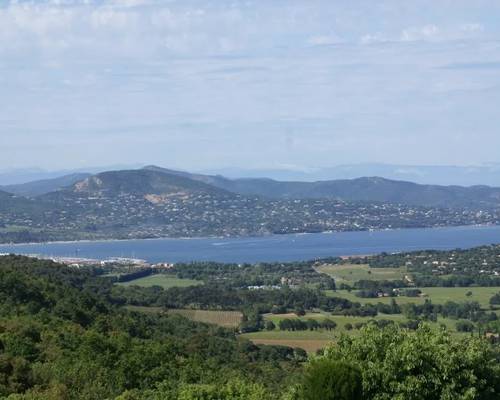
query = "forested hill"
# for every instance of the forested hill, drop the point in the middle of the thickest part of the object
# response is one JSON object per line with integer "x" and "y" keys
{"x": 360, "y": 189}
{"x": 143, "y": 182}
{"x": 63, "y": 336}
{"x": 12, "y": 204}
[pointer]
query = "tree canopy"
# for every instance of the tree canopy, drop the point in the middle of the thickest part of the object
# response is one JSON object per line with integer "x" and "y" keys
{"x": 426, "y": 364}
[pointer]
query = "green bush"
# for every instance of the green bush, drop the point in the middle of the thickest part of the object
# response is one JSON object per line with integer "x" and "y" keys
{"x": 427, "y": 364}
{"x": 331, "y": 380}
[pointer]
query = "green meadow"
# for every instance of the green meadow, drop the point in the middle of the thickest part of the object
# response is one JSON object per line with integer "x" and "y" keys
{"x": 350, "y": 273}
{"x": 165, "y": 281}
{"x": 438, "y": 295}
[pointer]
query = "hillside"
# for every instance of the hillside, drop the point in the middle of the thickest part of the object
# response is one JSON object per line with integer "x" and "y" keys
{"x": 385, "y": 190}
{"x": 12, "y": 204}
{"x": 39, "y": 187}
{"x": 143, "y": 182}
{"x": 64, "y": 335}
{"x": 367, "y": 189}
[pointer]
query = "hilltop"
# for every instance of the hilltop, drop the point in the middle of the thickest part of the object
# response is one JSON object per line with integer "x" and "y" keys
{"x": 143, "y": 181}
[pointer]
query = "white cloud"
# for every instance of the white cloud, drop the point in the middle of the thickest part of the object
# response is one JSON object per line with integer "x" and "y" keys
{"x": 427, "y": 32}
{"x": 373, "y": 38}
{"x": 322, "y": 40}
{"x": 472, "y": 28}
{"x": 433, "y": 32}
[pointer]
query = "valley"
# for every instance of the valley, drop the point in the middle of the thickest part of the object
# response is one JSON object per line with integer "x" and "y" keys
{"x": 310, "y": 304}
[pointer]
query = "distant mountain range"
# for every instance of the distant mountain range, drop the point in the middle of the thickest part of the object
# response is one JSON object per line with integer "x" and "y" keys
{"x": 152, "y": 179}
{"x": 370, "y": 189}
{"x": 16, "y": 176}
{"x": 158, "y": 202}
{"x": 488, "y": 174}
{"x": 39, "y": 187}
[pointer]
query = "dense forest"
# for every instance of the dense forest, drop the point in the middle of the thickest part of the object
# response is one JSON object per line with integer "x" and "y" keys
{"x": 62, "y": 337}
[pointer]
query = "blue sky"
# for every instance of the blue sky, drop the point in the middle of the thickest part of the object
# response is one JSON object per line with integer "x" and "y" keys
{"x": 258, "y": 84}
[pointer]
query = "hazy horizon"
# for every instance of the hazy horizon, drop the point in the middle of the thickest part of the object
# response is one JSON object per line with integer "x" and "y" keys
{"x": 206, "y": 85}
{"x": 487, "y": 174}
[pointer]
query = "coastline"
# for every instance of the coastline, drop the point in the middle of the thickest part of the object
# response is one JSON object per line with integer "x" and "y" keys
{"x": 55, "y": 242}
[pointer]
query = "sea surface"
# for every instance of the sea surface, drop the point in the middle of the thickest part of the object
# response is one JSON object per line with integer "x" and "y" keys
{"x": 270, "y": 248}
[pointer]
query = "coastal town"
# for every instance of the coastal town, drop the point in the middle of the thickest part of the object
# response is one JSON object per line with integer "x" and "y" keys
{"x": 70, "y": 215}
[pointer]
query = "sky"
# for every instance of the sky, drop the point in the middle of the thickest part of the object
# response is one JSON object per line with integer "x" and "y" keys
{"x": 204, "y": 84}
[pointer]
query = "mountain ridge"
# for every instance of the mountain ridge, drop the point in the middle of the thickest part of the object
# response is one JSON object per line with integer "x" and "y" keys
{"x": 359, "y": 189}
{"x": 142, "y": 181}
{"x": 42, "y": 186}
{"x": 155, "y": 180}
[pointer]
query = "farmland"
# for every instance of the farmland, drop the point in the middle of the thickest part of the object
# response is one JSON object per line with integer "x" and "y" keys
{"x": 165, "y": 281}
{"x": 343, "y": 293}
{"x": 311, "y": 341}
{"x": 307, "y": 340}
{"x": 350, "y": 273}
{"x": 339, "y": 319}
{"x": 226, "y": 319}
{"x": 438, "y": 295}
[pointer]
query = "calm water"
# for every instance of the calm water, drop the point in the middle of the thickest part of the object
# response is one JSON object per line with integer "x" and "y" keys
{"x": 272, "y": 248}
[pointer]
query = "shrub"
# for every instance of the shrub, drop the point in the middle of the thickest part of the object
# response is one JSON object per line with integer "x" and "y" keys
{"x": 425, "y": 364}
{"x": 331, "y": 380}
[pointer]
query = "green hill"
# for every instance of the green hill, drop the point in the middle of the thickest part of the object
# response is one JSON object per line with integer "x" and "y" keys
{"x": 367, "y": 189}
{"x": 10, "y": 203}
{"x": 63, "y": 335}
{"x": 143, "y": 182}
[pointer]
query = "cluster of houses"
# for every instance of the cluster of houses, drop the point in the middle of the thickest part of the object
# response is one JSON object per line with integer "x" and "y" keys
{"x": 284, "y": 281}
{"x": 80, "y": 262}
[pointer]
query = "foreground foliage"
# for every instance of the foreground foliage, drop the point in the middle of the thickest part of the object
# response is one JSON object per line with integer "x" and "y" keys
{"x": 64, "y": 335}
{"x": 331, "y": 380}
{"x": 426, "y": 364}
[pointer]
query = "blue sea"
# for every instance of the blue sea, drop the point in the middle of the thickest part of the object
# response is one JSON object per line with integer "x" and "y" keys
{"x": 270, "y": 248}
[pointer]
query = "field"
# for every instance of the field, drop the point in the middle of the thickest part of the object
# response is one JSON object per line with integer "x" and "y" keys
{"x": 350, "y": 273}
{"x": 166, "y": 281}
{"x": 339, "y": 319}
{"x": 226, "y": 319}
{"x": 437, "y": 295}
{"x": 312, "y": 341}
{"x": 307, "y": 340}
